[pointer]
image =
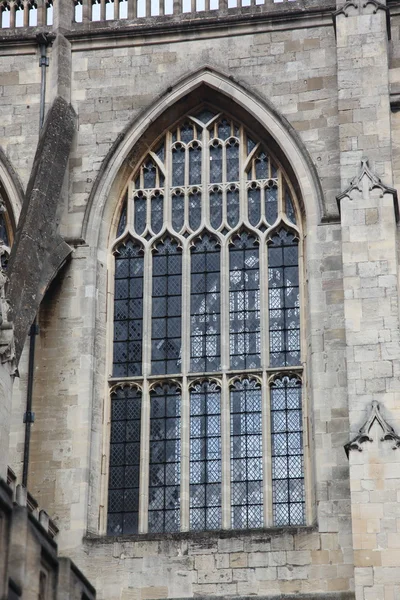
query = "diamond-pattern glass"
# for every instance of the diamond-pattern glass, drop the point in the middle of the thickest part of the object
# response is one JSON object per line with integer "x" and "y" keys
{"x": 244, "y": 302}
{"x": 232, "y": 206}
{"x": 246, "y": 455}
{"x": 167, "y": 292}
{"x": 284, "y": 302}
{"x": 288, "y": 495}
{"x": 254, "y": 204}
{"x": 120, "y": 228}
{"x": 195, "y": 154}
{"x": 165, "y": 459}
{"x": 205, "y": 456}
{"x": 123, "y": 485}
{"x": 205, "y": 317}
{"x": 128, "y": 316}
{"x": 178, "y": 210}
{"x": 204, "y": 167}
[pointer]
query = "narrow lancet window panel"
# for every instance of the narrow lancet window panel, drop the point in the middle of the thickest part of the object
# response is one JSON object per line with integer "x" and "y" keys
{"x": 123, "y": 485}
{"x": 244, "y": 302}
{"x": 205, "y": 457}
{"x": 208, "y": 259}
{"x": 166, "y": 308}
{"x": 246, "y": 455}
{"x": 287, "y": 452}
{"x": 165, "y": 459}
{"x": 128, "y": 309}
{"x": 284, "y": 300}
{"x": 205, "y": 313}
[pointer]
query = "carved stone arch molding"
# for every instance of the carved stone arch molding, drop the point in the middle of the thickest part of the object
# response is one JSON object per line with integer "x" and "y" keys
{"x": 10, "y": 189}
{"x": 227, "y": 95}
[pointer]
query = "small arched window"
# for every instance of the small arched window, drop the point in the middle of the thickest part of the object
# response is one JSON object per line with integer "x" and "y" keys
{"x": 206, "y": 315}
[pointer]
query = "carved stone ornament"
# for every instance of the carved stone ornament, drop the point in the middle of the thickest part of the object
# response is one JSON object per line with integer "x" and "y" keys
{"x": 389, "y": 433}
{"x": 360, "y": 4}
{"x": 373, "y": 182}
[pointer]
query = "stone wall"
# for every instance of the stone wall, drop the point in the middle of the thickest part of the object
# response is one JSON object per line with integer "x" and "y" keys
{"x": 310, "y": 87}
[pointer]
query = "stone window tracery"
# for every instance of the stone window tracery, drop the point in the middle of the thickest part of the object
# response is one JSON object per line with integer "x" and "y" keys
{"x": 206, "y": 320}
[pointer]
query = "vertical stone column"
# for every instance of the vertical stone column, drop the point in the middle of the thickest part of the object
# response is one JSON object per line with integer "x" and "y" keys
{"x": 369, "y": 210}
{"x": 362, "y": 34}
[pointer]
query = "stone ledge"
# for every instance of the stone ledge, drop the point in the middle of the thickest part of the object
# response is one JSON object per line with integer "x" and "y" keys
{"x": 219, "y": 534}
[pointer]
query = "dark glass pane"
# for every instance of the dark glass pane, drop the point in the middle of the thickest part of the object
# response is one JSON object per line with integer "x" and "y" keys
{"x": 215, "y": 162}
{"x": 165, "y": 459}
{"x": 224, "y": 129}
{"x": 233, "y": 211}
{"x": 123, "y": 486}
{"x": 284, "y": 300}
{"x": 244, "y": 302}
{"x": 178, "y": 210}
{"x": 166, "y": 307}
{"x": 271, "y": 203}
{"x": 178, "y": 165}
{"x": 205, "y": 319}
{"x": 290, "y": 212}
{"x": 205, "y": 115}
{"x": 254, "y": 205}
{"x": 157, "y": 212}
{"x": 140, "y": 206}
{"x": 250, "y": 145}
{"x": 232, "y": 160}
{"x": 161, "y": 152}
{"x": 186, "y": 133}
{"x": 195, "y": 210}
{"x": 128, "y": 309}
{"x": 120, "y": 228}
{"x": 215, "y": 208}
{"x": 262, "y": 166}
{"x": 205, "y": 457}
{"x": 149, "y": 174}
{"x": 195, "y": 153}
{"x": 246, "y": 455}
{"x": 288, "y": 495}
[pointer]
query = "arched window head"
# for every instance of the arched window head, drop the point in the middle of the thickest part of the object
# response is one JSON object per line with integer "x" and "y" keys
{"x": 207, "y": 290}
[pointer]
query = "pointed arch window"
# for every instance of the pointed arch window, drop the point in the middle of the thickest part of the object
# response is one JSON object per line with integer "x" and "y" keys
{"x": 207, "y": 289}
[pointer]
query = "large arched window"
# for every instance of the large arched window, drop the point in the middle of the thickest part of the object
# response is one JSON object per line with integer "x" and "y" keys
{"x": 206, "y": 408}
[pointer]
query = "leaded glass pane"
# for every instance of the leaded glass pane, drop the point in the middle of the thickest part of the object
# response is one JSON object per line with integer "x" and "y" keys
{"x": 120, "y": 228}
{"x": 178, "y": 210}
{"x": 232, "y": 160}
{"x": 123, "y": 486}
{"x": 271, "y": 203}
{"x": 215, "y": 207}
{"x": 195, "y": 209}
{"x": 287, "y": 452}
{"x": 205, "y": 457}
{"x": 284, "y": 303}
{"x": 224, "y": 129}
{"x": 244, "y": 302}
{"x": 262, "y": 166}
{"x": 205, "y": 309}
{"x": 290, "y": 212}
{"x": 254, "y": 203}
{"x": 166, "y": 307}
{"x": 178, "y": 165}
{"x": 140, "y": 205}
{"x": 165, "y": 458}
{"x": 195, "y": 153}
{"x": 128, "y": 310}
{"x": 246, "y": 455}
{"x": 216, "y": 162}
{"x": 149, "y": 175}
{"x": 233, "y": 206}
{"x": 157, "y": 210}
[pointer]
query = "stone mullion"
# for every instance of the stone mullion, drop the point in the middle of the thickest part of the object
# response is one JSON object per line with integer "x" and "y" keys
{"x": 225, "y": 454}
{"x": 144, "y": 460}
{"x": 267, "y": 452}
{"x": 185, "y": 413}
